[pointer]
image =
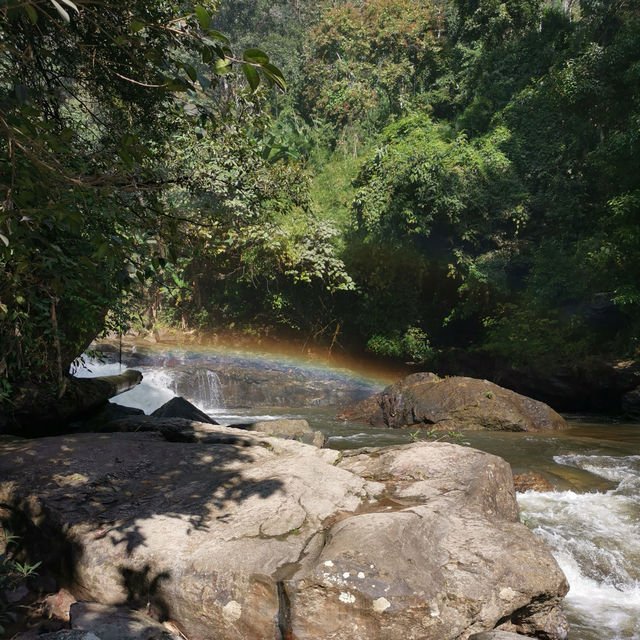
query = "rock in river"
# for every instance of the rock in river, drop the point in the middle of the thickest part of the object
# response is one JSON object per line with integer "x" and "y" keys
{"x": 425, "y": 400}
{"x": 239, "y": 535}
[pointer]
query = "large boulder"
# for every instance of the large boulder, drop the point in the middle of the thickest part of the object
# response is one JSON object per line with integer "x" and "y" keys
{"x": 425, "y": 400}
{"x": 242, "y": 535}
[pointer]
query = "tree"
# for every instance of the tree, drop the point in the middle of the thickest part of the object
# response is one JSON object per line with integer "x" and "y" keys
{"x": 91, "y": 96}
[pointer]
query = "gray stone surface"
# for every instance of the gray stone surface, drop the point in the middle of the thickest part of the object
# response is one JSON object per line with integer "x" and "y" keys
{"x": 238, "y": 535}
{"x": 117, "y": 623}
{"x": 70, "y": 634}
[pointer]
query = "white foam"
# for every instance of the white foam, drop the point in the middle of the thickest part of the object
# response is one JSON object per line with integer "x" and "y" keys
{"x": 595, "y": 538}
{"x": 156, "y": 388}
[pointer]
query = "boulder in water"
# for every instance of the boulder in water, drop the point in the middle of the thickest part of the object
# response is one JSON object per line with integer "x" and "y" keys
{"x": 424, "y": 400}
{"x": 243, "y": 535}
{"x": 285, "y": 428}
{"x": 178, "y": 407}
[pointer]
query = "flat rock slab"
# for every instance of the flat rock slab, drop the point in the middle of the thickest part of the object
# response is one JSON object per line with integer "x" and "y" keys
{"x": 240, "y": 535}
{"x": 117, "y": 623}
{"x": 457, "y": 403}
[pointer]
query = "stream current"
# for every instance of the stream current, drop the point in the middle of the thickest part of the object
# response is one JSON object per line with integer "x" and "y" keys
{"x": 591, "y": 520}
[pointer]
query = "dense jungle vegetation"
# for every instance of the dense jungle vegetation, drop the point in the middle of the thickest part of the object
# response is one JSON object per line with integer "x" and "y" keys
{"x": 447, "y": 174}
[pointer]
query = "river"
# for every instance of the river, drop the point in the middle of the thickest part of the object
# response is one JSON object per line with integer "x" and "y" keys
{"x": 591, "y": 520}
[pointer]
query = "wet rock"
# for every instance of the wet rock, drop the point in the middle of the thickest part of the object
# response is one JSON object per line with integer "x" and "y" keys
{"x": 243, "y": 386}
{"x": 117, "y": 623}
{"x": 242, "y": 535}
{"x": 178, "y": 407}
{"x": 531, "y": 481}
{"x": 19, "y": 594}
{"x": 423, "y": 400}
{"x": 631, "y": 403}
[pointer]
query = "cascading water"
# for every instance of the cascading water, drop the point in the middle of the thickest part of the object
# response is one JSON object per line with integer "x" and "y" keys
{"x": 157, "y": 387}
{"x": 595, "y": 538}
{"x": 207, "y": 391}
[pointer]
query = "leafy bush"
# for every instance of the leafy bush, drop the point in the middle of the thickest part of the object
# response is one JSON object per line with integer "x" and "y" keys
{"x": 413, "y": 345}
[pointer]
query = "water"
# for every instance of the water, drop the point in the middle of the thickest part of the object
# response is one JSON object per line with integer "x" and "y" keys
{"x": 596, "y": 540}
{"x": 591, "y": 521}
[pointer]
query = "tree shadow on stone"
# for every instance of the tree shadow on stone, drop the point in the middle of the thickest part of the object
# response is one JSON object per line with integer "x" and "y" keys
{"x": 144, "y": 590}
{"x": 107, "y": 485}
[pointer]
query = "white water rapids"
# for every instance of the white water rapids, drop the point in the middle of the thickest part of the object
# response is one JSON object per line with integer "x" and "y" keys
{"x": 594, "y": 535}
{"x": 596, "y": 541}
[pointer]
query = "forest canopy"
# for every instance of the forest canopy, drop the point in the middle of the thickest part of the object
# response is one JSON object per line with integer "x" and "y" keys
{"x": 447, "y": 175}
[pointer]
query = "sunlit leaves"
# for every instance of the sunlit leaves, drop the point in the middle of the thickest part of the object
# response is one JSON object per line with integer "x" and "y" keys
{"x": 252, "y": 76}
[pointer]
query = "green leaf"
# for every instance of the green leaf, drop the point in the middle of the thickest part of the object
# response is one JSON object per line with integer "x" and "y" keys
{"x": 125, "y": 156}
{"x": 222, "y": 66}
{"x": 218, "y": 36}
{"x": 253, "y": 78}
{"x": 102, "y": 250}
{"x": 203, "y": 17}
{"x": 31, "y": 12}
{"x": 255, "y": 55}
{"x": 274, "y": 74}
{"x": 191, "y": 72}
{"x": 4, "y": 239}
{"x": 136, "y": 25}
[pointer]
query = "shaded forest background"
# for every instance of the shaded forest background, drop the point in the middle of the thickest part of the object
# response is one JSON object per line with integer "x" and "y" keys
{"x": 453, "y": 175}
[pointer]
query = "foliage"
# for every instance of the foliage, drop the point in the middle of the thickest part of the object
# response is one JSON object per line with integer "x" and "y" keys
{"x": 452, "y": 173}
{"x": 414, "y": 345}
{"x": 510, "y": 206}
{"x": 12, "y": 573}
{"x": 82, "y": 167}
{"x": 366, "y": 60}
{"x": 264, "y": 256}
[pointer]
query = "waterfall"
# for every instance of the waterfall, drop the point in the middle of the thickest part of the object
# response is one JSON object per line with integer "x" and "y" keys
{"x": 207, "y": 391}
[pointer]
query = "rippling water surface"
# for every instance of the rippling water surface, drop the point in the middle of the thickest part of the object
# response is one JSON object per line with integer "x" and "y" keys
{"x": 591, "y": 520}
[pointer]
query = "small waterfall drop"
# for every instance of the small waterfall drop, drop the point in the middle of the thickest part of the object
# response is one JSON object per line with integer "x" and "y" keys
{"x": 207, "y": 391}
